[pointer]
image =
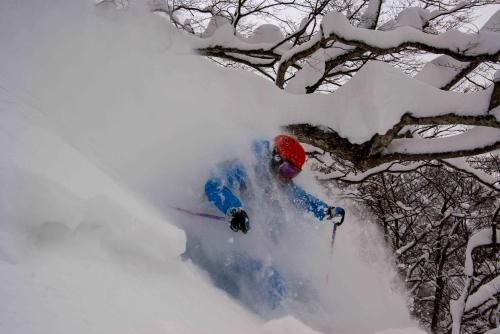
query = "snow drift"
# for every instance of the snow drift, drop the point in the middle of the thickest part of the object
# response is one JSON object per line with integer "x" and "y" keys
{"x": 107, "y": 120}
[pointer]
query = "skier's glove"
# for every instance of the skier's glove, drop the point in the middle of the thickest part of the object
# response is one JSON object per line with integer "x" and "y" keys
{"x": 238, "y": 219}
{"x": 332, "y": 213}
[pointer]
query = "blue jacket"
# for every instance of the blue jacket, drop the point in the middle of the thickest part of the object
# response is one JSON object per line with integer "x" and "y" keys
{"x": 231, "y": 178}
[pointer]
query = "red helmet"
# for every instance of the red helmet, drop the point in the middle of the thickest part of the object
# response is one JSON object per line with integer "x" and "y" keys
{"x": 290, "y": 149}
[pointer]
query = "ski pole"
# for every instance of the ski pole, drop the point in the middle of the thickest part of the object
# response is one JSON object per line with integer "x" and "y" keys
{"x": 332, "y": 242}
{"x": 334, "y": 233}
{"x": 199, "y": 214}
{"x": 334, "y": 229}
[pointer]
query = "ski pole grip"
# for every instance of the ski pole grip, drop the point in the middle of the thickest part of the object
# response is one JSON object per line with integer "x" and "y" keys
{"x": 340, "y": 212}
{"x": 341, "y": 219}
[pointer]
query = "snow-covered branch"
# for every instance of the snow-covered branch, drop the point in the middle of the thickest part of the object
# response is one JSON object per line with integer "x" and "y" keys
{"x": 380, "y": 149}
{"x": 370, "y": 17}
{"x": 427, "y": 215}
{"x": 342, "y": 48}
{"x": 230, "y": 30}
{"x": 385, "y": 147}
{"x": 341, "y": 44}
{"x": 461, "y": 165}
{"x": 482, "y": 46}
{"x": 354, "y": 178}
{"x": 336, "y": 30}
{"x": 466, "y": 302}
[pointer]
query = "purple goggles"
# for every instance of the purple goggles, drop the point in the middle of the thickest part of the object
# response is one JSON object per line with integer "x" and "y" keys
{"x": 287, "y": 170}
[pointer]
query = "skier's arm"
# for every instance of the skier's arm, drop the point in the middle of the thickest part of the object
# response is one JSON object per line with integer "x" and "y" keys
{"x": 220, "y": 195}
{"x": 220, "y": 188}
{"x": 305, "y": 201}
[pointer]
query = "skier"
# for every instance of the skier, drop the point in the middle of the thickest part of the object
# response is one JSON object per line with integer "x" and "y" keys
{"x": 229, "y": 189}
{"x": 280, "y": 161}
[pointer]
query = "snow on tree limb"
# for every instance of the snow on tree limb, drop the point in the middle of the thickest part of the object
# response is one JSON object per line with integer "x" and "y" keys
{"x": 444, "y": 71}
{"x": 479, "y": 239}
{"x": 461, "y": 46}
{"x": 362, "y": 156}
{"x": 472, "y": 142}
{"x": 461, "y": 165}
{"x": 484, "y": 46}
{"x": 493, "y": 331}
{"x": 466, "y": 302}
{"x": 457, "y": 307}
{"x": 419, "y": 211}
{"x": 396, "y": 167}
{"x": 386, "y": 147}
{"x": 363, "y": 39}
{"x": 392, "y": 167}
{"x": 370, "y": 16}
{"x": 483, "y": 294}
{"x": 330, "y": 47}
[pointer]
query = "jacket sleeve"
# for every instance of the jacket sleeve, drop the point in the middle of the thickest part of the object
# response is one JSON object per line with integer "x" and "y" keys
{"x": 228, "y": 179}
{"x": 305, "y": 201}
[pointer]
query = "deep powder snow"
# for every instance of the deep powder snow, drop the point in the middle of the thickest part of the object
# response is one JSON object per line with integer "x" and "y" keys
{"x": 107, "y": 119}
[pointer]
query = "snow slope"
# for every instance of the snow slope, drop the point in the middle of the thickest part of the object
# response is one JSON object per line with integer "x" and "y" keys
{"x": 107, "y": 119}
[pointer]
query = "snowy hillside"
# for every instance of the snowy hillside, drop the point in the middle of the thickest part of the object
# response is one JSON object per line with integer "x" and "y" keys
{"x": 107, "y": 120}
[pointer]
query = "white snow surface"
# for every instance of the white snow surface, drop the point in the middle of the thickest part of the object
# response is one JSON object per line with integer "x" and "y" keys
{"x": 107, "y": 119}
